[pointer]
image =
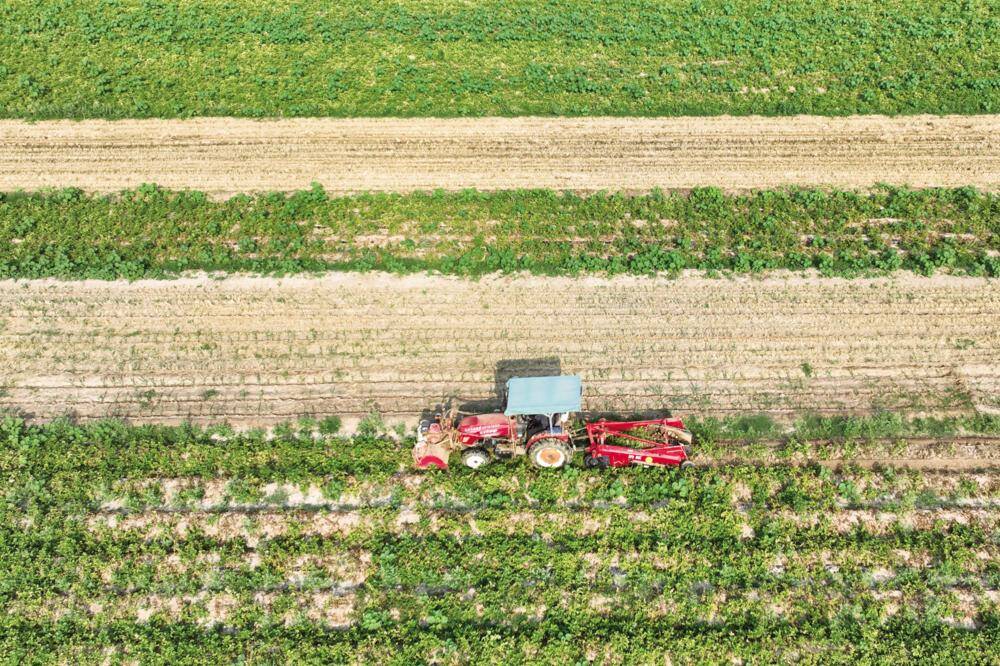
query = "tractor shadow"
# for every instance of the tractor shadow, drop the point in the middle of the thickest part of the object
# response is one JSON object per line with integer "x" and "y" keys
{"x": 547, "y": 366}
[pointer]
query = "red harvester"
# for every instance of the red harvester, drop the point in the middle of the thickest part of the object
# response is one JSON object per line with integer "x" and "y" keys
{"x": 534, "y": 424}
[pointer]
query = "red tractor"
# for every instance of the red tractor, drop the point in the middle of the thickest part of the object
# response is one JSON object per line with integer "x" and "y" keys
{"x": 535, "y": 423}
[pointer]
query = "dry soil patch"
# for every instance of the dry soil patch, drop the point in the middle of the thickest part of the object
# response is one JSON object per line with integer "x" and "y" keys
{"x": 256, "y": 351}
{"x": 223, "y": 156}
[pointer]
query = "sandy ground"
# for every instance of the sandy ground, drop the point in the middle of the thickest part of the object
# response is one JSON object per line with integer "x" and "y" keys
{"x": 256, "y": 351}
{"x": 223, "y": 156}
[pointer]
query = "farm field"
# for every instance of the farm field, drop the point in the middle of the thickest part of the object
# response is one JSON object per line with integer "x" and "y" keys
{"x": 170, "y": 58}
{"x": 188, "y": 545}
{"x": 246, "y": 247}
{"x": 227, "y": 156}
{"x": 256, "y": 351}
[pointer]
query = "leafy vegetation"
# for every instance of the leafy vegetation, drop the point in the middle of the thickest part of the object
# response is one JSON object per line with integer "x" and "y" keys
{"x": 188, "y": 545}
{"x": 165, "y": 58}
{"x": 153, "y": 232}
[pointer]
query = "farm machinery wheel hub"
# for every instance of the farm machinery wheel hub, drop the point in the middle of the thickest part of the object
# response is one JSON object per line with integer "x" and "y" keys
{"x": 550, "y": 453}
{"x": 475, "y": 458}
{"x": 550, "y": 457}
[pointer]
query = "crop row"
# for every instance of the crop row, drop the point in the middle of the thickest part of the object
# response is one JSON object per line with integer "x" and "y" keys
{"x": 566, "y": 637}
{"x": 131, "y": 566}
{"x": 194, "y": 496}
{"x": 441, "y": 58}
{"x": 110, "y": 451}
{"x": 309, "y": 545}
{"x": 150, "y": 231}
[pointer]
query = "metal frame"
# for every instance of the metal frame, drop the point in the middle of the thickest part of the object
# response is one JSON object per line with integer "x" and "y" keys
{"x": 671, "y": 450}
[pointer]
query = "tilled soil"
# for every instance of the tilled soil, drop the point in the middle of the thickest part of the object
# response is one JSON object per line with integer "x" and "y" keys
{"x": 257, "y": 351}
{"x": 224, "y": 156}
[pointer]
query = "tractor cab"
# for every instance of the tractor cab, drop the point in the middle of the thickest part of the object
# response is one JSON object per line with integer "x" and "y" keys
{"x": 542, "y": 404}
{"x": 541, "y": 407}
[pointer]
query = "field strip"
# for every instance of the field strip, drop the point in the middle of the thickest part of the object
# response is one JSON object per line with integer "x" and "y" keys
{"x": 251, "y": 528}
{"x": 283, "y": 497}
{"x": 223, "y": 156}
{"x": 257, "y": 351}
{"x": 410, "y": 491}
{"x": 306, "y": 610}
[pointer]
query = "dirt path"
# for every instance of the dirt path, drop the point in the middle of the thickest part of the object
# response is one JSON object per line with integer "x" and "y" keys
{"x": 223, "y": 156}
{"x": 952, "y": 453}
{"x": 256, "y": 351}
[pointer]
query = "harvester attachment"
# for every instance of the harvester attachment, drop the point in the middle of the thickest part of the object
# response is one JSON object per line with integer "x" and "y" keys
{"x": 654, "y": 443}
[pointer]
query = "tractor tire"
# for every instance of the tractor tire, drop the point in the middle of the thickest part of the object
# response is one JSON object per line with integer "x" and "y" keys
{"x": 475, "y": 458}
{"x": 550, "y": 453}
{"x": 687, "y": 464}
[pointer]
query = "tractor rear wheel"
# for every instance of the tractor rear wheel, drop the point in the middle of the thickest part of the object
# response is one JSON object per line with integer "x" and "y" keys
{"x": 550, "y": 453}
{"x": 475, "y": 458}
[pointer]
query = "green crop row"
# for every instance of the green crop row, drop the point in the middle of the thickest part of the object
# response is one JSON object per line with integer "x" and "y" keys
{"x": 564, "y": 638}
{"x": 165, "y": 58}
{"x": 509, "y": 563}
{"x": 106, "y": 452}
{"x": 150, "y": 232}
{"x": 112, "y": 450}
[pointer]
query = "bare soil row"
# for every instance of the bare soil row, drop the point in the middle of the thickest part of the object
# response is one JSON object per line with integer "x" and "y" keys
{"x": 941, "y": 489}
{"x": 254, "y": 528}
{"x": 256, "y": 351}
{"x": 945, "y": 455}
{"x": 224, "y": 156}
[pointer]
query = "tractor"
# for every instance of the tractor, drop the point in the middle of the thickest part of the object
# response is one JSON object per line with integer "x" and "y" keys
{"x": 536, "y": 423}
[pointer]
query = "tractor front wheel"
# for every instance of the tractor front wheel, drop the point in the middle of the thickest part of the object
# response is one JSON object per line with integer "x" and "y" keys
{"x": 475, "y": 458}
{"x": 550, "y": 453}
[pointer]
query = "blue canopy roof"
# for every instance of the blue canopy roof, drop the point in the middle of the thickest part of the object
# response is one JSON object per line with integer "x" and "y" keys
{"x": 543, "y": 395}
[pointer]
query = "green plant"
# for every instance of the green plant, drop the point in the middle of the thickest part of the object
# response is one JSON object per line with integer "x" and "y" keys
{"x": 329, "y": 425}
{"x": 371, "y": 424}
